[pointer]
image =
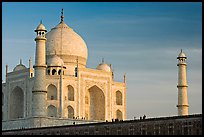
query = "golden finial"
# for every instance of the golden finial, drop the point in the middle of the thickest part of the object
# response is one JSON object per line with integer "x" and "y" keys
{"x": 102, "y": 60}
{"x": 62, "y": 16}
{"x": 20, "y": 61}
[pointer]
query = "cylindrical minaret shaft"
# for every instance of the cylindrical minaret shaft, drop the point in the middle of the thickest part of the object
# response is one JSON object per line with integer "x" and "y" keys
{"x": 39, "y": 91}
{"x": 30, "y": 63}
{"x": 182, "y": 85}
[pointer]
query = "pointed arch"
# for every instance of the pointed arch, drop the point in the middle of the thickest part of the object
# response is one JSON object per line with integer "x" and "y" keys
{"x": 96, "y": 103}
{"x": 59, "y": 72}
{"x": 118, "y": 98}
{"x": 70, "y": 111}
{"x": 51, "y": 92}
{"x": 54, "y": 71}
{"x": 70, "y": 93}
{"x": 51, "y": 111}
{"x": 119, "y": 115}
{"x": 16, "y": 103}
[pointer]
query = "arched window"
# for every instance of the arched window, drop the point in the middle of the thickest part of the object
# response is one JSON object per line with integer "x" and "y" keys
{"x": 48, "y": 72}
{"x": 54, "y": 72}
{"x": 70, "y": 93}
{"x": 70, "y": 112}
{"x": 118, "y": 98}
{"x": 119, "y": 115}
{"x": 51, "y": 92}
{"x": 59, "y": 72}
{"x": 51, "y": 111}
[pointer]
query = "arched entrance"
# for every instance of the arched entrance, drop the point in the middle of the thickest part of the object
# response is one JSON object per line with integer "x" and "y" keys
{"x": 96, "y": 104}
{"x": 51, "y": 111}
{"x": 16, "y": 103}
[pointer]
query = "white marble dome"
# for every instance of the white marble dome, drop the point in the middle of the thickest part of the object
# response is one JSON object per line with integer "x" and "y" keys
{"x": 104, "y": 67}
{"x": 19, "y": 67}
{"x": 55, "y": 61}
{"x": 66, "y": 43}
{"x": 40, "y": 27}
{"x": 181, "y": 55}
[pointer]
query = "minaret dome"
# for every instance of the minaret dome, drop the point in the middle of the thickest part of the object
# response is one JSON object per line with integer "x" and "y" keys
{"x": 182, "y": 85}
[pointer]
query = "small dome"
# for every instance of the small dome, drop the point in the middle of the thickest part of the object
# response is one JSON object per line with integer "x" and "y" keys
{"x": 19, "y": 67}
{"x": 55, "y": 61}
{"x": 104, "y": 67}
{"x": 40, "y": 27}
{"x": 181, "y": 55}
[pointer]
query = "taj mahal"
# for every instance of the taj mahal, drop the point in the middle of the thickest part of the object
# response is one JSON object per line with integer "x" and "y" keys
{"x": 59, "y": 89}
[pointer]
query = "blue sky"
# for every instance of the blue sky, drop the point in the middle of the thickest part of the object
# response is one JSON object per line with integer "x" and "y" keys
{"x": 139, "y": 39}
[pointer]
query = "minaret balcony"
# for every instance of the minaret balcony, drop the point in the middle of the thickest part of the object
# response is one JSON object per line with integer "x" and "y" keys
{"x": 182, "y": 86}
{"x": 181, "y": 63}
{"x": 40, "y": 38}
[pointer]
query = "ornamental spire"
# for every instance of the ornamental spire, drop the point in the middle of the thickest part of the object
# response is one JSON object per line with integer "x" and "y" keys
{"x": 124, "y": 78}
{"x": 6, "y": 69}
{"x": 62, "y": 16}
{"x": 20, "y": 61}
{"x": 30, "y": 63}
{"x": 102, "y": 60}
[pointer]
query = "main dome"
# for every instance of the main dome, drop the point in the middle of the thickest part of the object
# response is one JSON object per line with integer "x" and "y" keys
{"x": 67, "y": 44}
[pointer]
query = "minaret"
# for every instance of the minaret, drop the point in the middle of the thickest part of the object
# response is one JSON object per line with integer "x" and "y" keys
{"x": 182, "y": 85}
{"x": 39, "y": 91}
{"x": 30, "y": 63}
